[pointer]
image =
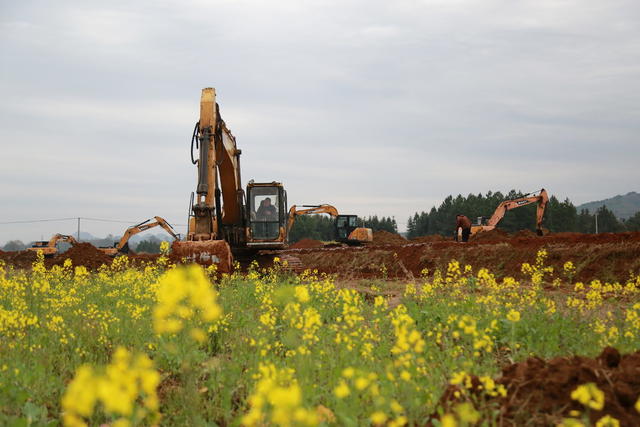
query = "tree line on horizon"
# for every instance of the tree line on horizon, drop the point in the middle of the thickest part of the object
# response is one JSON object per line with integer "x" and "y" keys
{"x": 560, "y": 216}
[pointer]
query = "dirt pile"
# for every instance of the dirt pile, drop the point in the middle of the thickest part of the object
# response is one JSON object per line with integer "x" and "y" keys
{"x": 385, "y": 238}
{"x": 539, "y": 391}
{"x": 524, "y": 234}
{"x": 605, "y": 257}
{"x": 306, "y": 244}
{"x": 81, "y": 254}
{"x": 494, "y": 235}
{"x": 18, "y": 259}
{"x": 430, "y": 239}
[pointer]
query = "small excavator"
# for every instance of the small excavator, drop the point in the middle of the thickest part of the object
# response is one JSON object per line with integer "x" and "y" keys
{"x": 223, "y": 216}
{"x": 122, "y": 247}
{"x": 346, "y": 226}
{"x": 48, "y": 247}
{"x": 540, "y": 197}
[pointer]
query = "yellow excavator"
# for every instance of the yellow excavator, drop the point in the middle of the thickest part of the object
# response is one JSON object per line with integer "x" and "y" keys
{"x": 222, "y": 215}
{"x": 48, "y": 247}
{"x": 541, "y": 198}
{"x": 346, "y": 226}
{"x": 122, "y": 247}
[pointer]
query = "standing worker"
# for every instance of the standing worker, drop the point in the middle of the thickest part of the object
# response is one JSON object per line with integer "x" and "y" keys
{"x": 464, "y": 223}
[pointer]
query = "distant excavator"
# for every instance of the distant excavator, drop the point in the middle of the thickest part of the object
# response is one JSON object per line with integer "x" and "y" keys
{"x": 122, "y": 246}
{"x": 49, "y": 247}
{"x": 346, "y": 226}
{"x": 540, "y": 197}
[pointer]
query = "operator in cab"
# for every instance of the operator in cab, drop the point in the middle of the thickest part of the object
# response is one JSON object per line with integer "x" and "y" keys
{"x": 266, "y": 211}
{"x": 464, "y": 223}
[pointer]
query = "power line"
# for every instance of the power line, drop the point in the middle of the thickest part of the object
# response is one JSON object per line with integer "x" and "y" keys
{"x": 110, "y": 220}
{"x": 39, "y": 220}
{"x": 120, "y": 221}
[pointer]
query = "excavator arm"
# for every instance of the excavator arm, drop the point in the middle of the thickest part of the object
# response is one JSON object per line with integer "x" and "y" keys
{"x": 311, "y": 210}
{"x": 62, "y": 238}
{"x": 541, "y": 199}
{"x": 49, "y": 248}
{"x": 355, "y": 235}
{"x": 123, "y": 244}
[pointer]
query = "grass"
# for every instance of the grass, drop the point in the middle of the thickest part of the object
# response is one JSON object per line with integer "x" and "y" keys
{"x": 284, "y": 349}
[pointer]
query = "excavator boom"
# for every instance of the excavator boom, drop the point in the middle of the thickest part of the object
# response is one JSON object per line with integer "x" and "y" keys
{"x": 49, "y": 248}
{"x": 311, "y": 210}
{"x": 347, "y": 229}
{"x": 123, "y": 245}
{"x": 541, "y": 198}
{"x": 216, "y": 217}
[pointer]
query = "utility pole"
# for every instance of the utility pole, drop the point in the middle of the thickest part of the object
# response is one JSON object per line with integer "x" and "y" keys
{"x": 79, "y": 229}
{"x": 596, "y": 222}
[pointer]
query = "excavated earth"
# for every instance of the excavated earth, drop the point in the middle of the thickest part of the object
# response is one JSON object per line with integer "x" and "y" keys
{"x": 539, "y": 391}
{"x": 606, "y": 256}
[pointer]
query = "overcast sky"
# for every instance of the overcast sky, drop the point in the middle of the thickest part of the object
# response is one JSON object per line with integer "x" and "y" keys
{"x": 376, "y": 107}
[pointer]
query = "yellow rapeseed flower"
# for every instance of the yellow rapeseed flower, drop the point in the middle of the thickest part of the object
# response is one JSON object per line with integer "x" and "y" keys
{"x": 607, "y": 421}
{"x": 513, "y": 316}
{"x": 184, "y": 295}
{"x": 342, "y": 390}
{"x": 378, "y": 418}
{"x": 448, "y": 420}
{"x": 302, "y": 294}
{"x": 589, "y": 395}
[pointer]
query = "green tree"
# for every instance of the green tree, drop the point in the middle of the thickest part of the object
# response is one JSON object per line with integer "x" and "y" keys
{"x": 14, "y": 245}
{"x": 633, "y": 223}
{"x": 607, "y": 221}
{"x": 317, "y": 227}
{"x": 150, "y": 246}
{"x": 385, "y": 223}
{"x": 585, "y": 222}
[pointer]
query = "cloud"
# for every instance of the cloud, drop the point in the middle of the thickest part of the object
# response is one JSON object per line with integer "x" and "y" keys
{"x": 377, "y": 107}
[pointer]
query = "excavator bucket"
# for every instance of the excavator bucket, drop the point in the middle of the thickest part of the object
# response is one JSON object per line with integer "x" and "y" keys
{"x": 205, "y": 252}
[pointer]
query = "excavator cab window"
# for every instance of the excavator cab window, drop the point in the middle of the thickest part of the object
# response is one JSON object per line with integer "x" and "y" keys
{"x": 345, "y": 224}
{"x": 266, "y": 207}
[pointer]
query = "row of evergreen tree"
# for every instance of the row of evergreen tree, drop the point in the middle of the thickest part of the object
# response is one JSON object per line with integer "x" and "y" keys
{"x": 559, "y": 216}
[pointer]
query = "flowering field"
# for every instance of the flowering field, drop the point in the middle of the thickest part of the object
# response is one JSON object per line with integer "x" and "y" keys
{"x": 180, "y": 346}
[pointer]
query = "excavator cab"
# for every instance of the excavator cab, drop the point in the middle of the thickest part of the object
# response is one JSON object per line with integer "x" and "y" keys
{"x": 348, "y": 231}
{"x": 266, "y": 214}
{"x": 345, "y": 224}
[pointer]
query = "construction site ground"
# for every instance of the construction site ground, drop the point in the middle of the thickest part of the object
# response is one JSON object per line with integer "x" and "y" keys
{"x": 539, "y": 391}
{"x": 606, "y": 256}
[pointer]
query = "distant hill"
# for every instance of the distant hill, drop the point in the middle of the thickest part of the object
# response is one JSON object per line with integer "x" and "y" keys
{"x": 622, "y": 206}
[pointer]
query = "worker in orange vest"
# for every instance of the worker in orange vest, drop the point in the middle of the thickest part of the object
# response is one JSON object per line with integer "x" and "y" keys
{"x": 464, "y": 223}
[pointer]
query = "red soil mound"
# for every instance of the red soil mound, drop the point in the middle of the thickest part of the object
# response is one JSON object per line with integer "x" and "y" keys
{"x": 525, "y": 234}
{"x": 430, "y": 239}
{"x": 492, "y": 235}
{"x": 385, "y": 238}
{"x": 307, "y": 243}
{"x": 608, "y": 257}
{"x": 19, "y": 259}
{"x": 81, "y": 254}
{"x": 539, "y": 391}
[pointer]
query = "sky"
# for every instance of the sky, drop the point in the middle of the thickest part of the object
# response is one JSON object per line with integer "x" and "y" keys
{"x": 376, "y": 107}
